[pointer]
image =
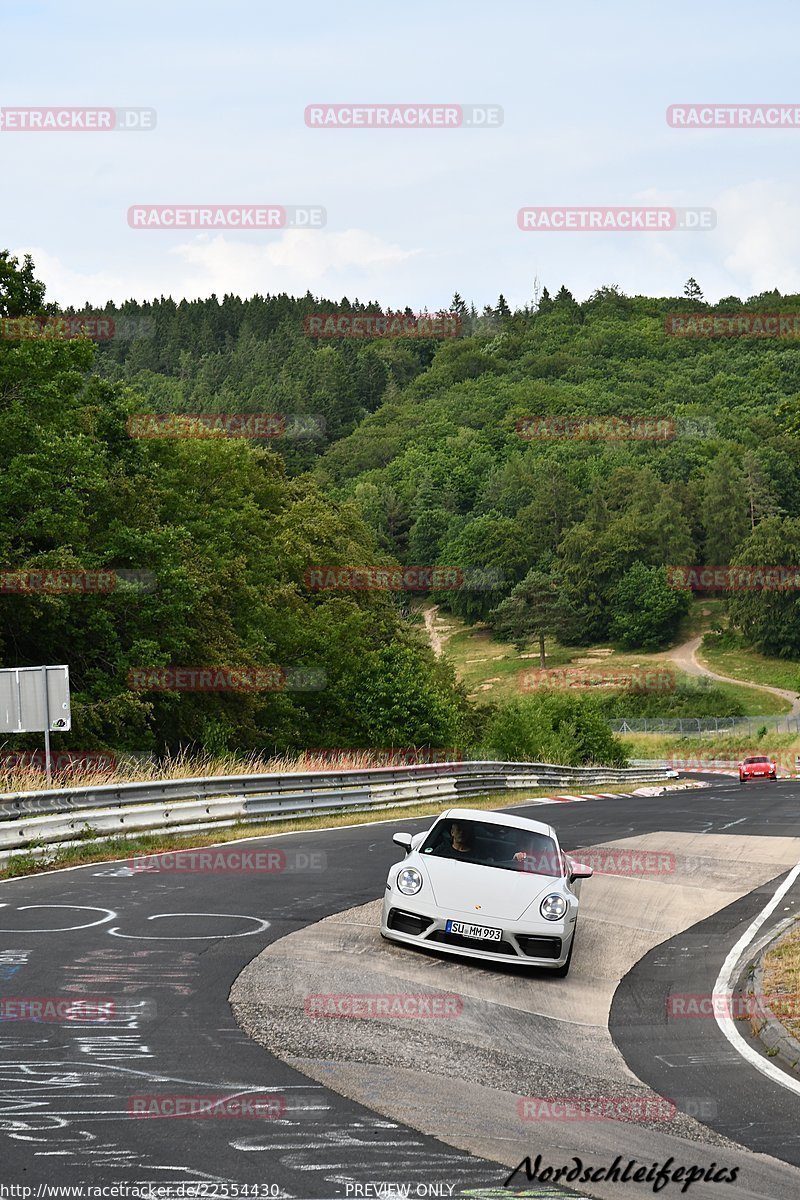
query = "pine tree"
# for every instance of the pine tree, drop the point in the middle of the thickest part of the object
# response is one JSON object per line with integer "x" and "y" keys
{"x": 692, "y": 290}
{"x": 458, "y": 305}
{"x": 761, "y": 500}
{"x": 723, "y": 509}
{"x": 532, "y": 609}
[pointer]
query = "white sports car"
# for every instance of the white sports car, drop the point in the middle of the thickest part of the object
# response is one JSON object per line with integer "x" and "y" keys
{"x": 486, "y": 885}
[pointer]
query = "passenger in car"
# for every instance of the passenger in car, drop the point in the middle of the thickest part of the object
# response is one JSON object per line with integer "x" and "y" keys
{"x": 537, "y": 855}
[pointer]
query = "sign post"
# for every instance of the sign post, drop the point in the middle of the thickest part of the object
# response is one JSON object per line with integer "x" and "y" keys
{"x": 35, "y": 700}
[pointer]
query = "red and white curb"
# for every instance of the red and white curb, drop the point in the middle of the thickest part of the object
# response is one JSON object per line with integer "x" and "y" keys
{"x": 655, "y": 790}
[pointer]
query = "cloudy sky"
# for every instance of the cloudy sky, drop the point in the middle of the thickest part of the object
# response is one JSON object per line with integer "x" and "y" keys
{"x": 412, "y": 215}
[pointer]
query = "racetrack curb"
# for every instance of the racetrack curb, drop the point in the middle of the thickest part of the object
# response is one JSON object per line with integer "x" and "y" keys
{"x": 654, "y": 790}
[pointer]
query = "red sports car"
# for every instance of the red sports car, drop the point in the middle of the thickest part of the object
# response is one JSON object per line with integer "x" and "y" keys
{"x": 757, "y": 767}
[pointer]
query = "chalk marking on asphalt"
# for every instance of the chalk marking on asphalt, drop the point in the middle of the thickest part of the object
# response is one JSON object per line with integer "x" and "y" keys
{"x": 64, "y": 928}
{"x": 732, "y": 823}
{"x": 196, "y": 937}
{"x": 71, "y": 1068}
{"x": 723, "y": 988}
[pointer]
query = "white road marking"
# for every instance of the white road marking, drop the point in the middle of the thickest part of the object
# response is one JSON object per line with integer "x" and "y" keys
{"x": 196, "y": 937}
{"x": 110, "y": 914}
{"x": 723, "y": 988}
{"x": 732, "y": 823}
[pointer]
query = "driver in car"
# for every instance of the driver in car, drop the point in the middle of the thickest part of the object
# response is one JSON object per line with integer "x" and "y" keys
{"x": 461, "y": 844}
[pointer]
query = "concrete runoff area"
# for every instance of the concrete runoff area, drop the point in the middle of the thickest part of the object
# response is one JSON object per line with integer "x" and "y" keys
{"x": 521, "y": 1032}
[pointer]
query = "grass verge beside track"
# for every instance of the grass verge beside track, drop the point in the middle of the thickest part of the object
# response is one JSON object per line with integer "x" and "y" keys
{"x": 782, "y": 979}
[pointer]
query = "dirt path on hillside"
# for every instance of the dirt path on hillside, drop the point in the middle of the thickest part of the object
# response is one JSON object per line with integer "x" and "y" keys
{"x": 436, "y": 640}
{"x": 685, "y": 657}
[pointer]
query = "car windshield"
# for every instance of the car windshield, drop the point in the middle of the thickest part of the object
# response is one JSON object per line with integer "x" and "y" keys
{"x": 488, "y": 845}
{"x": 751, "y": 761}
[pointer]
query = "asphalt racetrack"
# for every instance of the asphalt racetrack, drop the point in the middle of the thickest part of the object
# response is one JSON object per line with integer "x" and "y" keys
{"x": 204, "y": 975}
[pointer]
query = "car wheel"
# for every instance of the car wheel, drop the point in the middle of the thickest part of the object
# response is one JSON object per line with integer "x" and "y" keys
{"x": 561, "y": 972}
{"x": 741, "y": 780}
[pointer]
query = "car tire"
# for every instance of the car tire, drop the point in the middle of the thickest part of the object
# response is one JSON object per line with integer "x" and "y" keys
{"x": 562, "y": 971}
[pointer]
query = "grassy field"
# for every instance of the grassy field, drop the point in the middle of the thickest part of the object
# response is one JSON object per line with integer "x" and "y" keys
{"x": 492, "y": 669}
{"x": 750, "y": 665}
{"x": 754, "y": 703}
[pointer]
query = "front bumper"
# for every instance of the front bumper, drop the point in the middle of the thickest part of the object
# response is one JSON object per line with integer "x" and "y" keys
{"x": 538, "y": 943}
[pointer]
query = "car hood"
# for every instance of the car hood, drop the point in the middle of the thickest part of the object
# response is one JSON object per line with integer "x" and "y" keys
{"x": 485, "y": 893}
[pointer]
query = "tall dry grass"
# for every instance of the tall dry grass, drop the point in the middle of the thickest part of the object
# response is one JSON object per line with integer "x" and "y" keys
{"x": 27, "y": 777}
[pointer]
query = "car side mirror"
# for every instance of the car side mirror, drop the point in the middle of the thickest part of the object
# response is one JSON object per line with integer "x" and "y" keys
{"x": 403, "y": 840}
{"x": 579, "y": 871}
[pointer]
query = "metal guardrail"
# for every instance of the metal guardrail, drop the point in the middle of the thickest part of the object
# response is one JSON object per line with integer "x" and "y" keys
{"x": 39, "y": 820}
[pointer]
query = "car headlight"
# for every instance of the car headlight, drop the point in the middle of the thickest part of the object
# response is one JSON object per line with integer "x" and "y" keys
{"x": 409, "y": 881}
{"x": 553, "y": 907}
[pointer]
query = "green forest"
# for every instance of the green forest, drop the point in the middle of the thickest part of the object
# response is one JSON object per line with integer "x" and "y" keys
{"x": 415, "y": 451}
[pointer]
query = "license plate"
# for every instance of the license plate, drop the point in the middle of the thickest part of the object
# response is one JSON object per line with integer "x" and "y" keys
{"x": 481, "y": 932}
